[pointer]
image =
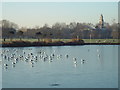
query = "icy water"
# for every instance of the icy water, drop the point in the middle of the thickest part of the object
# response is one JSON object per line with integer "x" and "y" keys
{"x": 60, "y": 67}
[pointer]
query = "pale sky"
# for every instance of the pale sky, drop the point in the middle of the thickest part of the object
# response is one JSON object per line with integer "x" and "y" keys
{"x": 30, "y": 14}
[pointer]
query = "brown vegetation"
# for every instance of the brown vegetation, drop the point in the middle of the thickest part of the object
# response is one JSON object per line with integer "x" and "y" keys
{"x": 42, "y": 43}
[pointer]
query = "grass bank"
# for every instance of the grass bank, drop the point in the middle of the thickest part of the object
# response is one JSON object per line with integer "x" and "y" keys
{"x": 47, "y": 42}
{"x": 56, "y": 42}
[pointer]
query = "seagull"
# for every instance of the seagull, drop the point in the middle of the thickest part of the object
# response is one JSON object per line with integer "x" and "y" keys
{"x": 67, "y": 56}
{"x": 6, "y": 65}
{"x": 82, "y": 60}
{"x": 75, "y": 60}
{"x": 13, "y": 63}
{"x": 99, "y": 55}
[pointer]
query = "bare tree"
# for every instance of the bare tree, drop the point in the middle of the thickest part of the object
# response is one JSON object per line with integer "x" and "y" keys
{"x": 8, "y": 24}
{"x": 20, "y": 34}
{"x": 11, "y": 34}
{"x": 38, "y": 34}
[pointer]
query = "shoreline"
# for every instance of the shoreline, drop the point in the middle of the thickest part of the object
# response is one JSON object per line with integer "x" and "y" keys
{"x": 102, "y": 43}
{"x": 39, "y": 44}
{"x": 30, "y": 44}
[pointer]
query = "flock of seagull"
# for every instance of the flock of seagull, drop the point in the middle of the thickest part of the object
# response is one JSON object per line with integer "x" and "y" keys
{"x": 14, "y": 57}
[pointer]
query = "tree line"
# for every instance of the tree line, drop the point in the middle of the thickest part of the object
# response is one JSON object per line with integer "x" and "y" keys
{"x": 61, "y": 31}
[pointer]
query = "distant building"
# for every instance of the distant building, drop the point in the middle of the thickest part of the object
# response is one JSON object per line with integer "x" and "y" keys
{"x": 101, "y": 22}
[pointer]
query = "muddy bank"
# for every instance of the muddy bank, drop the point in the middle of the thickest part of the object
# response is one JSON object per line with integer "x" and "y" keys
{"x": 30, "y": 44}
{"x": 58, "y": 43}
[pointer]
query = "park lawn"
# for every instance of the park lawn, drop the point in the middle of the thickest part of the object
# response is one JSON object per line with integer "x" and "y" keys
{"x": 101, "y": 40}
